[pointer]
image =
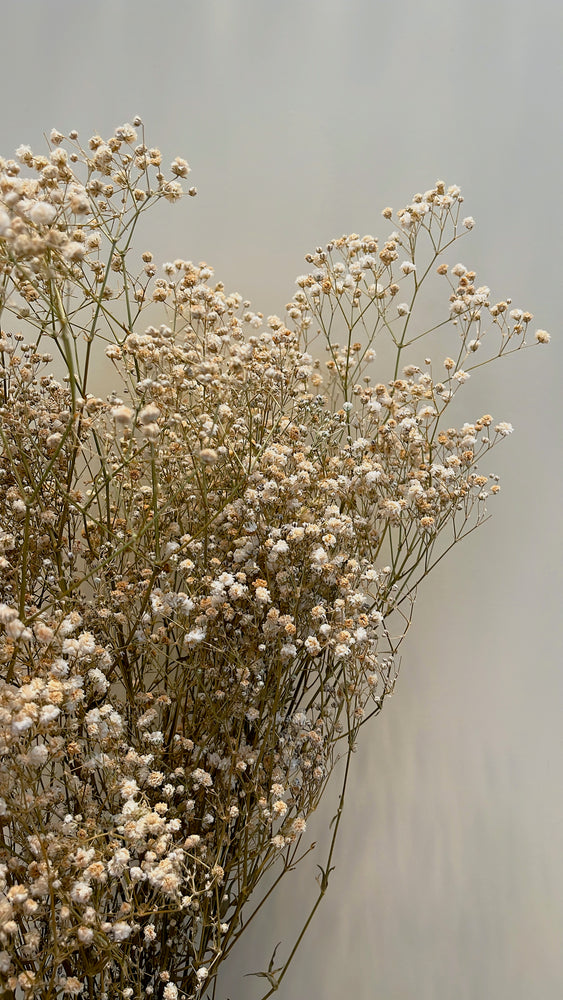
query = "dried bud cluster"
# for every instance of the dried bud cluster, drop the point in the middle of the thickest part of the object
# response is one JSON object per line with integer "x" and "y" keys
{"x": 204, "y": 576}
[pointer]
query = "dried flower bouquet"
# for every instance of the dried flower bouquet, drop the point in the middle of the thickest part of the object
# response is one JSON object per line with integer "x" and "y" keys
{"x": 206, "y": 570}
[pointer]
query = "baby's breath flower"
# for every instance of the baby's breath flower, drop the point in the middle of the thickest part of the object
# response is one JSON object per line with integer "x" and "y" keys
{"x": 180, "y": 167}
{"x": 149, "y": 414}
{"x": 312, "y": 645}
{"x": 201, "y": 778}
{"x": 121, "y": 930}
{"x": 504, "y": 428}
{"x": 126, "y": 133}
{"x": 78, "y": 201}
{"x": 42, "y": 214}
{"x": 72, "y": 986}
{"x": 74, "y": 251}
{"x": 172, "y": 191}
{"x": 122, "y": 414}
{"x": 25, "y": 155}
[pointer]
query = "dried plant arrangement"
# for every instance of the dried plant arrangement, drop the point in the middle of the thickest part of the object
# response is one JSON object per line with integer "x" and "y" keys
{"x": 206, "y": 571}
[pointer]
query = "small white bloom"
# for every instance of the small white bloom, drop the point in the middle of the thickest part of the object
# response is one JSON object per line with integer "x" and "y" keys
{"x": 459, "y": 270}
{"x": 81, "y": 892}
{"x": 129, "y": 788}
{"x": 149, "y": 414}
{"x": 72, "y": 985}
{"x": 312, "y": 645}
{"x": 119, "y": 861}
{"x": 74, "y": 251}
{"x": 121, "y": 931}
{"x": 180, "y": 167}
{"x": 38, "y": 755}
{"x": 122, "y": 414}
{"x": 288, "y": 651}
{"x": 201, "y": 778}
{"x": 42, "y": 214}
{"x": 319, "y": 556}
{"x": 86, "y": 644}
{"x": 49, "y": 713}
{"x": 194, "y": 637}
{"x": 99, "y": 681}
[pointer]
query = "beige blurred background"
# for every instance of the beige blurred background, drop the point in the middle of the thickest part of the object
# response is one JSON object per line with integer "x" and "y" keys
{"x": 301, "y": 120}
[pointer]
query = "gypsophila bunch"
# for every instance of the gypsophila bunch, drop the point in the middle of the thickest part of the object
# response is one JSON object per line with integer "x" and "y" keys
{"x": 206, "y": 571}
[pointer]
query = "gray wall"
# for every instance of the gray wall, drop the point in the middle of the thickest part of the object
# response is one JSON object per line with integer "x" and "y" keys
{"x": 301, "y": 121}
